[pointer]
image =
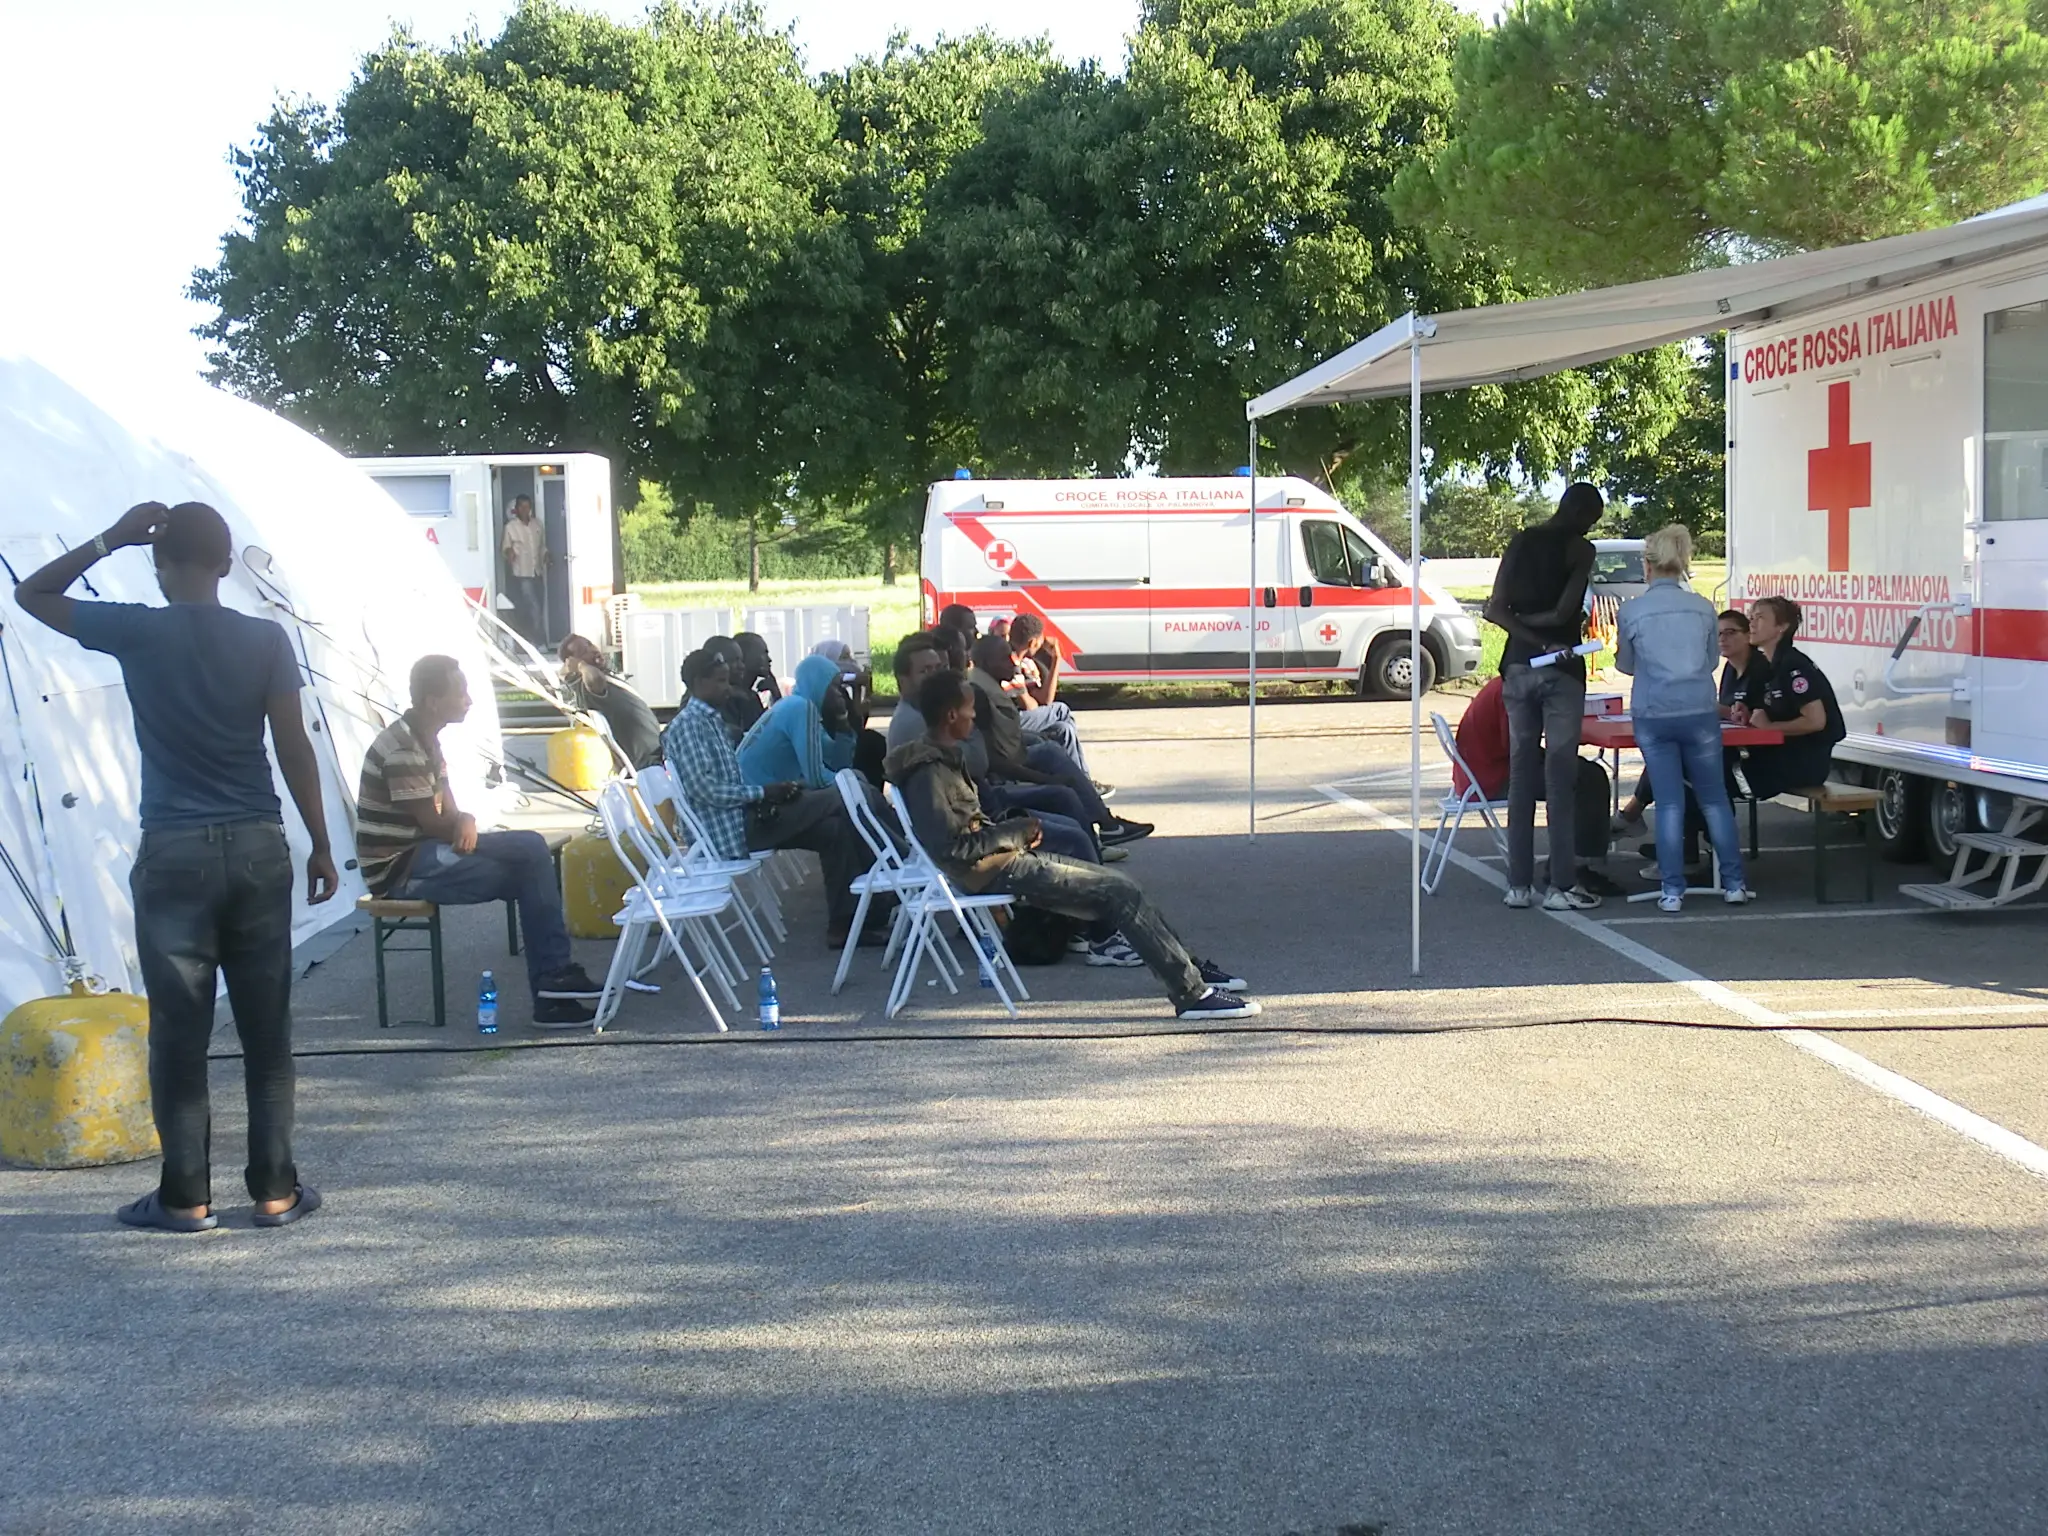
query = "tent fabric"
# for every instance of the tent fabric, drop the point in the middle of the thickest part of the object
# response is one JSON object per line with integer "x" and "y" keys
{"x": 1502, "y": 343}
{"x": 318, "y": 547}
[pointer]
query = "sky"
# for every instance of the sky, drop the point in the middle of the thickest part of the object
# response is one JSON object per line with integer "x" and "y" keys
{"x": 119, "y": 174}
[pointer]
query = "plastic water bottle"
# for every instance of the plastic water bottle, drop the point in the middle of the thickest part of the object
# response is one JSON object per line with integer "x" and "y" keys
{"x": 487, "y": 1006}
{"x": 986, "y": 953}
{"x": 771, "y": 1005}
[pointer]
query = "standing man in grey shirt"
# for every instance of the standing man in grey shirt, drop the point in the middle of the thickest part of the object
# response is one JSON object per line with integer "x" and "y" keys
{"x": 213, "y": 877}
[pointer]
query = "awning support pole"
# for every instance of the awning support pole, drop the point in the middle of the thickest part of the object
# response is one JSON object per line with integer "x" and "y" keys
{"x": 1252, "y": 631}
{"x": 1415, "y": 652}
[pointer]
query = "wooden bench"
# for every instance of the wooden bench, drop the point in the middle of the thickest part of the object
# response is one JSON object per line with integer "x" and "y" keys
{"x": 1832, "y": 802}
{"x": 391, "y": 918}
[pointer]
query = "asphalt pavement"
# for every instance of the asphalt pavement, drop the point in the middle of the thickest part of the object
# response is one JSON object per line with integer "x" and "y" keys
{"x": 1564, "y": 1235}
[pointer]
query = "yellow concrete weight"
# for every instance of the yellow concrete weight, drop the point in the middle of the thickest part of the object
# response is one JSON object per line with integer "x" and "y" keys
{"x": 594, "y": 886}
{"x": 579, "y": 759}
{"x": 74, "y": 1082}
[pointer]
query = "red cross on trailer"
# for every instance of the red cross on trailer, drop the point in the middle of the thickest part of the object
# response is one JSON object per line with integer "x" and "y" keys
{"x": 1838, "y": 476}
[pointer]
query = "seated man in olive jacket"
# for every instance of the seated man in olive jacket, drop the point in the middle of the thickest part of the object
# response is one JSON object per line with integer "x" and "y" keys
{"x": 982, "y": 855}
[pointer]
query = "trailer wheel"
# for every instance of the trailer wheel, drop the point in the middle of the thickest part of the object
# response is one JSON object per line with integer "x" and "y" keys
{"x": 1948, "y": 812}
{"x": 1901, "y": 816}
{"x": 1387, "y": 673}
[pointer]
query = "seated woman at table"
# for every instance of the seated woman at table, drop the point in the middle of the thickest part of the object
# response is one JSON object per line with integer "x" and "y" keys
{"x": 1745, "y": 675}
{"x": 1666, "y": 641}
{"x": 1799, "y": 700}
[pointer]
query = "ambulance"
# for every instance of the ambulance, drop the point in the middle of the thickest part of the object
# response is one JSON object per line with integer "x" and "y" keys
{"x": 1147, "y": 580}
{"x": 460, "y": 502}
{"x": 1888, "y": 468}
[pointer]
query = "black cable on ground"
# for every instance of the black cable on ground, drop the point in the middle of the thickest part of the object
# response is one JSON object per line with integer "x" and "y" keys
{"x": 1129, "y": 1032}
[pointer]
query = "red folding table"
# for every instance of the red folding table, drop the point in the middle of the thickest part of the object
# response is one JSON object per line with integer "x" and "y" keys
{"x": 1612, "y": 733}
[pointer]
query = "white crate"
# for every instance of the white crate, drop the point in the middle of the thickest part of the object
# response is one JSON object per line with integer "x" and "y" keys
{"x": 655, "y": 642}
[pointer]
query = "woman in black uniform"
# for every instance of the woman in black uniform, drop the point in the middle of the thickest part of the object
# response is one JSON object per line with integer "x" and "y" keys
{"x": 1800, "y": 701}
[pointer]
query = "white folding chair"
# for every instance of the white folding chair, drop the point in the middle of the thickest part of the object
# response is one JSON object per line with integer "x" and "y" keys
{"x": 924, "y": 910}
{"x": 679, "y": 872}
{"x": 890, "y": 875}
{"x": 657, "y": 787}
{"x": 672, "y": 912}
{"x": 1451, "y": 810}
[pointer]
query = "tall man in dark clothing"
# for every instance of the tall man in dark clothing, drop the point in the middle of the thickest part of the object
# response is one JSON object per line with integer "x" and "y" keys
{"x": 213, "y": 877}
{"x": 1539, "y": 597}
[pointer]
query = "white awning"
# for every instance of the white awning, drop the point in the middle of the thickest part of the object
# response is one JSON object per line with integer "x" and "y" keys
{"x": 1505, "y": 342}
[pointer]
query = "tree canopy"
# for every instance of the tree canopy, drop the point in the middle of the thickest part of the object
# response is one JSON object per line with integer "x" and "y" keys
{"x": 799, "y": 300}
{"x": 1607, "y": 140}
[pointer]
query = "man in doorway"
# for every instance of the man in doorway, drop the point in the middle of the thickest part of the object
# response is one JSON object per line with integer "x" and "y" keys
{"x": 595, "y": 689}
{"x": 414, "y": 843}
{"x": 1539, "y": 597}
{"x": 212, "y": 879}
{"x": 526, "y": 551}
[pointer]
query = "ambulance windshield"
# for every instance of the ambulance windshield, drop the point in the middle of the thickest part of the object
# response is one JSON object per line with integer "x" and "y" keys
{"x": 1337, "y": 556}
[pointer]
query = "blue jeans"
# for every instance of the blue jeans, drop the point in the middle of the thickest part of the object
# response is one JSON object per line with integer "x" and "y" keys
{"x": 507, "y": 866}
{"x": 1677, "y": 749}
{"x": 1058, "y": 809}
{"x": 1055, "y": 764}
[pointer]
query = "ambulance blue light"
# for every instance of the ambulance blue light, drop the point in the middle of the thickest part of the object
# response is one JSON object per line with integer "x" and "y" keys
{"x": 1243, "y": 471}
{"x": 963, "y": 474}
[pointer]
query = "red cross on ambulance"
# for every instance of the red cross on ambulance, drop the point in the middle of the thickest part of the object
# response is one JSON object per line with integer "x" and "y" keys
{"x": 1838, "y": 476}
{"x": 1001, "y": 555}
{"x": 1328, "y": 633}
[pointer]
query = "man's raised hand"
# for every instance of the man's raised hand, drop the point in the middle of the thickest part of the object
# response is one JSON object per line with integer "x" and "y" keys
{"x": 143, "y": 523}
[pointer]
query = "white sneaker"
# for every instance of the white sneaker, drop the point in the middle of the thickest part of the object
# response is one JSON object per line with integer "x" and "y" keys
{"x": 1114, "y": 951}
{"x": 1519, "y": 896}
{"x": 1670, "y": 903}
{"x": 1577, "y": 899}
{"x": 1738, "y": 895}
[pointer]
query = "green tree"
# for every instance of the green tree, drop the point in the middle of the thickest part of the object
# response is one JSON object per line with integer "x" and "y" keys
{"x": 903, "y": 119}
{"x": 1683, "y": 478}
{"x": 1607, "y": 140}
{"x": 1136, "y": 256}
{"x": 578, "y": 235}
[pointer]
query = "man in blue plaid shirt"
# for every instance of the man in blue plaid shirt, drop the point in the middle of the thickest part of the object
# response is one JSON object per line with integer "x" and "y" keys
{"x": 740, "y": 818}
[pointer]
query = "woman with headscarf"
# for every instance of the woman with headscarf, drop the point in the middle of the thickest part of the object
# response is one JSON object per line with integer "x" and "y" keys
{"x": 790, "y": 742}
{"x": 845, "y": 708}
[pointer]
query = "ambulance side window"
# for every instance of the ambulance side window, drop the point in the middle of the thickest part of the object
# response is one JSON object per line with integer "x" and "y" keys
{"x": 1331, "y": 557}
{"x": 1363, "y": 560}
{"x": 2016, "y": 413}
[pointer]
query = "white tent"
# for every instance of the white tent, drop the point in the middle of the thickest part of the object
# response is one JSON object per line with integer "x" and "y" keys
{"x": 318, "y": 547}
{"x": 1501, "y": 343}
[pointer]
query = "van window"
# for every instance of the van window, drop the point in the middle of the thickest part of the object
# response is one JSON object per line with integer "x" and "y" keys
{"x": 1617, "y": 567}
{"x": 2016, "y": 413}
{"x": 421, "y": 495}
{"x": 1337, "y": 557}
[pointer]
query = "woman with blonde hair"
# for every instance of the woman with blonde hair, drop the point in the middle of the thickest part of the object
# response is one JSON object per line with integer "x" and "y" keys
{"x": 1667, "y": 640}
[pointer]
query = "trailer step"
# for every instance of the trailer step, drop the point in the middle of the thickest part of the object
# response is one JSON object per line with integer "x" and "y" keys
{"x": 1998, "y": 842}
{"x": 1952, "y": 898}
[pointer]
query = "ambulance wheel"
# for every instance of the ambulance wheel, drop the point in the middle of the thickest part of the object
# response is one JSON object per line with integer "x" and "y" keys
{"x": 1901, "y": 816}
{"x": 1948, "y": 812}
{"x": 1388, "y": 673}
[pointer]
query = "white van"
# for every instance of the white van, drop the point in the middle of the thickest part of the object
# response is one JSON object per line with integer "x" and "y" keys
{"x": 461, "y": 502}
{"x": 1146, "y": 580}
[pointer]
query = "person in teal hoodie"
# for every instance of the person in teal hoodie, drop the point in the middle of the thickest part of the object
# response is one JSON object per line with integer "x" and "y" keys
{"x": 790, "y": 742}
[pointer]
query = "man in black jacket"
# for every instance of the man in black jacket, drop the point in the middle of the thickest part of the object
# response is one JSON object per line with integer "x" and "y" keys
{"x": 981, "y": 855}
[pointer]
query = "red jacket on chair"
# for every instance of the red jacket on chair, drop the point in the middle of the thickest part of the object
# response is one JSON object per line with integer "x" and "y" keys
{"x": 1483, "y": 742}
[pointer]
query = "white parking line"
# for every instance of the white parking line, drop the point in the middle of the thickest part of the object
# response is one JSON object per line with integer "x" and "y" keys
{"x": 1986, "y": 1133}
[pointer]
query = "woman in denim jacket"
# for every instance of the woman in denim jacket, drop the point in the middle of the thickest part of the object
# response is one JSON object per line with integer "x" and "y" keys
{"x": 1668, "y": 643}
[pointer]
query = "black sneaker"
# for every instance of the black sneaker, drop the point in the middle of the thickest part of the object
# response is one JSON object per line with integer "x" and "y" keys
{"x": 561, "y": 1013}
{"x": 1125, "y": 832}
{"x": 1219, "y": 978}
{"x": 1598, "y": 883}
{"x": 570, "y": 982}
{"x": 1214, "y": 1004}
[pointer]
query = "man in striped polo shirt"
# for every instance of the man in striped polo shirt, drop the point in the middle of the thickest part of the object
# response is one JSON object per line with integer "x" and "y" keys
{"x": 414, "y": 844}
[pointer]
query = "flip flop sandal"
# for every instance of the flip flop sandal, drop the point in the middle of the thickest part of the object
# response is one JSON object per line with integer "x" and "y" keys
{"x": 307, "y": 1203}
{"x": 149, "y": 1212}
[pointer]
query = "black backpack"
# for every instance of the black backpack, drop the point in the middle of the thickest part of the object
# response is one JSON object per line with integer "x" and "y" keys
{"x": 1038, "y": 937}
